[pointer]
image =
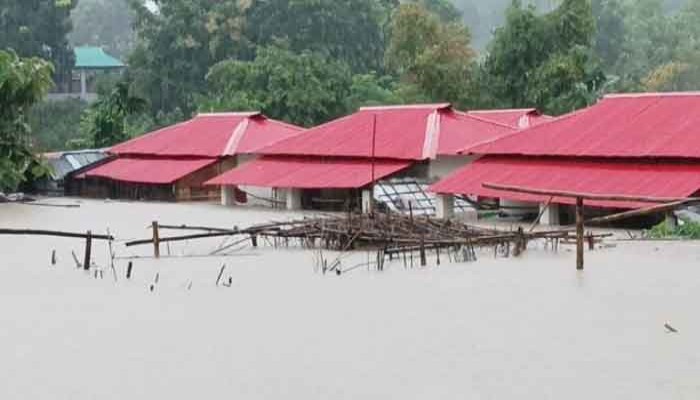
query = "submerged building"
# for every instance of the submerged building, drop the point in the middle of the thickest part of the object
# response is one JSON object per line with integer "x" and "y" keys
{"x": 335, "y": 165}
{"x": 644, "y": 145}
{"x": 172, "y": 163}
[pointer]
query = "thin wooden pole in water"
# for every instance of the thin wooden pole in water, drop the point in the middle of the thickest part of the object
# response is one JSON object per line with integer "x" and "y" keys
{"x": 579, "y": 233}
{"x": 156, "y": 240}
{"x": 88, "y": 250}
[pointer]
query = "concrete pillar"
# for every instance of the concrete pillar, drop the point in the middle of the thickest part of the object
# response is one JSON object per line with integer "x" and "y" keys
{"x": 444, "y": 206}
{"x": 83, "y": 85}
{"x": 293, "y": 199}
{"x": 551, "y": 215}
{"x": 228, "y": 195}
{"x": 367, "y": 201}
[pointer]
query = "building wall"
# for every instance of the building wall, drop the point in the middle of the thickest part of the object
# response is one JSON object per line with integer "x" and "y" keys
{"x": 189, "y": 188}
{"x": 260, "y": 196}
{"x": 445, "y": 165}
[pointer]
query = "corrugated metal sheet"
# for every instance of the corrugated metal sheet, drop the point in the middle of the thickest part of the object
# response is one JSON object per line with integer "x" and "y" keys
{"x": 598, "y": 177}
{"x": 150, "y": 171}
{"x": 415, "y": 132}
{"x": 308, "y": 172}
{"x": 62, "y": 163}
{"x": 459, "y": 131}
{"x": 210, "y": 135}
{"x": 638, "y": 125}
{"x": 518, "y": 118}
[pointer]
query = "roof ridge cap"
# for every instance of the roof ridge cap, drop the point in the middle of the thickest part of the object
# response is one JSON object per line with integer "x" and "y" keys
{"x": 650, "y": 94}
{"x": 406, "y": 107}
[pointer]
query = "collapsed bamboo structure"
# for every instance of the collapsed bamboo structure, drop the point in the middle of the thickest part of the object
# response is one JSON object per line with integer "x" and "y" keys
{"x": 390, "y": 235}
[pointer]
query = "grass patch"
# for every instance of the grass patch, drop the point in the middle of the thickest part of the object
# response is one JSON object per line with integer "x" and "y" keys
{"x": 684, "y": 230}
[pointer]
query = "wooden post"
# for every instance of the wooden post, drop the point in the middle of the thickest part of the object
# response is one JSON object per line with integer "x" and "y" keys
{"x": 423, "y": 259}
{"x": 254, "y": 240}
{"x": 579, "y": 233}
{"x": 128, "y": 270}
{"x": 156, "y": 240}
{"x": 88, "y": 251}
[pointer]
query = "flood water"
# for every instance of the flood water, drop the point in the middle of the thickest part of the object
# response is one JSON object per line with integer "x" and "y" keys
{"x": 531, "y": 328}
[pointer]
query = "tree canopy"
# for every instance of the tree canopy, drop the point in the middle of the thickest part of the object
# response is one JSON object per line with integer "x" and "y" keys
{"x": 23, "y": 82}
{"x": 39, "y": 28}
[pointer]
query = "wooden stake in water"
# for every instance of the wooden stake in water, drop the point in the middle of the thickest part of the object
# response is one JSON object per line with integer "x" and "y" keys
{"x": 88, "y": 251}
{"x": 221, "y": 272}
{"x": 156, "y": 240}
{"x": 53, "y": 257}
{"x": 579, "y": 233}
{"x": 128, "y": 270}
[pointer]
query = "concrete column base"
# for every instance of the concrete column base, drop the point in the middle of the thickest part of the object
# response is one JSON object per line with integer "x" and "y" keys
{"x": 228, "y": 196}
{"x": 367, "y": 201}
{"x": 550, "y": 216}
{"x": 444, "y": 206}
{"x": 293, "y": 197}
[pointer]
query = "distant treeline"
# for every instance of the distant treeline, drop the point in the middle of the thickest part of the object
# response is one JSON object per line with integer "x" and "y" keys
{"x": 309, "y": 61}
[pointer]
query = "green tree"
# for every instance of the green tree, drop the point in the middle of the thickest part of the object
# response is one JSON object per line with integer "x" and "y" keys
{"x": 178, "y": 43}
{"x": 430, "y": 56}
{"x": 518, "y": 48}
{"x": 372, "y": 90}
{"x": 445, "y": 9}
{"x": 105, "y": 122}
{"x": 54, "y": 123}
{"x": 545, "y": 60}
{"x": 39, "y": 28}
{"x": 303, "y": 88}
{"x": 610, "y": 31}
{"x": 351, "y": 31}
{"x": 104, "y": 23}
{"x": 23, "y": 82}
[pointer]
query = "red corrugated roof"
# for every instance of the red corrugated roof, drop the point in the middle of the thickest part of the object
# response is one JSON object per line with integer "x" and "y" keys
{"x": 653, "y": 125}
{"x": 306, "y": 173}
{"x": 593, "y": 176}
{"x": 518, "y": 118}
{"x": 150, "y": 171}
{"x": 210, "y": 135}
{"x": 460, "y": 131}
{"x": 415, "y": 132}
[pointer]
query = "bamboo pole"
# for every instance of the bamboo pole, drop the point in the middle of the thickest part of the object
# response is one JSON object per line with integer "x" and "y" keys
{"x": 585, "y": 196}
{"x": 42, "y": 232}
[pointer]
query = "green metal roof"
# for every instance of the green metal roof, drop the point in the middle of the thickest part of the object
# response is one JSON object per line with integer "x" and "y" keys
{"x": 95, "y": 57}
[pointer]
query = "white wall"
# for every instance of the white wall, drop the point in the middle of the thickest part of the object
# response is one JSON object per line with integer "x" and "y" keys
{"x": 258, "y": 194}
{"x": 445, "y": 165}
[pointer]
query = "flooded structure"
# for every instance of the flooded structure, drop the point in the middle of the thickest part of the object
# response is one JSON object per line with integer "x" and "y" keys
{"x": 335, "y": 165}
{"x": 643, "y": 145}
{"x": 172, "y": 164}
{"x": 63, "y": 166}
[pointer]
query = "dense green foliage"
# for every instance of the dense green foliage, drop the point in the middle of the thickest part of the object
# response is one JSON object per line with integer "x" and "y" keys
{"x": 55, "y": 123}
{"x": 305, "y": 88}
{"x": 39, "y": 28}
{"x": 23, "y": 82}
{"x": 685, "y": 230}
{"x": 105, "y": 123}
{"x": 308, "y": 61}
{"x": 177, "y": 46}
{"x": 351, "y": 31}
{"x": 546, "y": 61}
